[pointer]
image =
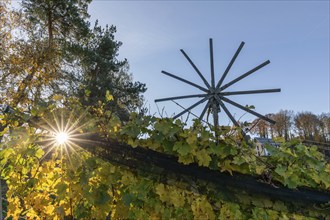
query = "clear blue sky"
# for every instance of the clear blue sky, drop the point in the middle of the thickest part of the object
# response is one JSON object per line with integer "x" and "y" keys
{"x": 293, "y": 35}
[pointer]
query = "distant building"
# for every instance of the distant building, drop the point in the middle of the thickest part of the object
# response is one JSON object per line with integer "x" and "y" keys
{"x": 327, "y": 137}
{"x": 260, "y": 145}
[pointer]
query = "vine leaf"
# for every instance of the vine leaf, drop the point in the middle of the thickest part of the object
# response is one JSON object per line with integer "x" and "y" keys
{"x": 182, "y": 148}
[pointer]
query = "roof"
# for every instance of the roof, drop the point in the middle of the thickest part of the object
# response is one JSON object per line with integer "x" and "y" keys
{"x": 264, "y": 140}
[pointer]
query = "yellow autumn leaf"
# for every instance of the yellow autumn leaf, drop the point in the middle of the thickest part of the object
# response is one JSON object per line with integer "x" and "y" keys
{"x": 57, "y": 97}
{"x": 49, "y": 209}
{"x": 162, "y": 192}
{"x": 177, "y": 199}
{"x": 108, "y": 96}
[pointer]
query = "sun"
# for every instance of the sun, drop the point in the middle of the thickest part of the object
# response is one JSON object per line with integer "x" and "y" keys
{"x": 62, "y": 138}
{"x": 64, "y": 132}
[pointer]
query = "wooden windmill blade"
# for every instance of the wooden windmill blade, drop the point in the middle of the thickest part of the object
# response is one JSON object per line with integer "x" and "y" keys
{"x": 215, "y": 95}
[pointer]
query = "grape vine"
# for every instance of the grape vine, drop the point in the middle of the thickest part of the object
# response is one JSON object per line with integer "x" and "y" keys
{"x": 80, "y": 185}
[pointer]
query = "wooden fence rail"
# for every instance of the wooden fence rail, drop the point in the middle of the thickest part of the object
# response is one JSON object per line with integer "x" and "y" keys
{"x": 155, "y": 162}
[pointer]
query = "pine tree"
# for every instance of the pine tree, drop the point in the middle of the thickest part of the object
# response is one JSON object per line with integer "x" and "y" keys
{"x": 104, "y": 74}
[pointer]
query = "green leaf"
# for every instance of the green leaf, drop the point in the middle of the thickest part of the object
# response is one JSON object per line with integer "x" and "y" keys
{"x": 203, "y": 158}
{"x": 132, "y": 143}
{"x": 226, "y": 166}
{"x": 177, "y": 199}
{"x": 87, "y": 92}
{"x": 168, "y": 146}
{"x": 191, "y": 139}
{"x": 216, "y": 149}
{"x": 102, "y": 197}
{"x": 292, "y": 181}
{"x": 91, "y": 163}
{"x": 214, "y": 163}
{"x": 61, "y": 189}
{"x": 187, "y": 159}
{"x": 281, "y": 170}
{"x": 228, "y": 150}
{"x": 182, "y": 148}
{"x": 127, "y": 198}
{"x": 238, "y": 160}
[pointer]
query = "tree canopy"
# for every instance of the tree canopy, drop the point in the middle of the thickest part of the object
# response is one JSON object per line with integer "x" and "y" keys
{"x": 51, "y": 51}
{"x": 305, "y": 125}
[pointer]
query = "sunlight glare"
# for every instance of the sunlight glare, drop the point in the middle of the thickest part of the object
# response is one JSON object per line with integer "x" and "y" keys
{"x": 64, "y": 133}
{"x": 62, "y": 138}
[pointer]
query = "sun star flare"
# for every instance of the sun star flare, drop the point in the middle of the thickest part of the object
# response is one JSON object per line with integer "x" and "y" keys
{"x": 62, "y": 138}
{"x": 64, "y": 132}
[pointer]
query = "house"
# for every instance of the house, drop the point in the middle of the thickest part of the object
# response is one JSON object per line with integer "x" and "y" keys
{"x": 260, "y": 145}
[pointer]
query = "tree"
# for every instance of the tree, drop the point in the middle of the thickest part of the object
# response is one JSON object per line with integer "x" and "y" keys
{"x": 61, "y": 25}
{"x": 260, "y": 127}
{"x": 324, "y": 119}
{"x": 103, "y": 74}
{"x": 307, "y": 125}
{"x": 57, "y": 54}
{"x": 33, "y": 65}
{"x": 57, "y": 20}
{"x": 283, "y": 123}
{"x": 5, "y": 25}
